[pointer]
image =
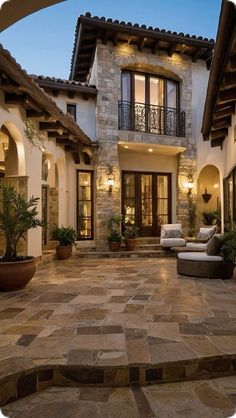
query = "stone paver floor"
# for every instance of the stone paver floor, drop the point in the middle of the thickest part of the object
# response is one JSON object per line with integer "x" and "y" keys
{"x": 197, "y": 399}
{"x": 117, "y": 313}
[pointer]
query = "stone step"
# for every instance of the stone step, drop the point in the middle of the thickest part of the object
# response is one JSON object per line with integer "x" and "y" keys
{"x": 150, "y": 247}
{"x": 125, "y": 254}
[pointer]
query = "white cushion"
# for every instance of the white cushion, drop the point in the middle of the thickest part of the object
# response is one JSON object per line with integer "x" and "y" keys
{"x": 199, "y": 256}
{"x": 200, "y": 245}
{"x": 170, "y": 227}
{"x": 172, "y": 242}
{"x": 208, "y": 231}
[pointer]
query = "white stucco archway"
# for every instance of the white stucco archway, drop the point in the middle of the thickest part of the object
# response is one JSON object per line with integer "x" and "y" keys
{"x": 15, "y": 164}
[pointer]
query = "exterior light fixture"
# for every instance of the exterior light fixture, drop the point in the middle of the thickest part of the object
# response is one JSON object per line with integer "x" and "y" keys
{"x": 189, "y": 184}
{"x": 110, "y": 179}
{"x": 110, "y": 183}
{"x": 126, "y": 147}
{"x": 206, "y": 196}
{"x": 150, "y": 150}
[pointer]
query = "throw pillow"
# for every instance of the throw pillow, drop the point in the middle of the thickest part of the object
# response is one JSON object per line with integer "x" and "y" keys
{"x": 173, "y": 233}
{"x": 205, "y": 234}
{"x": 214, "y": 244}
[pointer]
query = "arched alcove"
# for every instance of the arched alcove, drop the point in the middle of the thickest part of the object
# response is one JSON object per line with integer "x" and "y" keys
{"x": 208, "y": 190}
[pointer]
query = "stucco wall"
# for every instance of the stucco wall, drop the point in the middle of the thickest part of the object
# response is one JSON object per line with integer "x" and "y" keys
{"x": 85, "y": 111}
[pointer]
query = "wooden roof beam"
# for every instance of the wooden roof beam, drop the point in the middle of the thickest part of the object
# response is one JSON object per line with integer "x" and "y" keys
{"x": 198, "y": 53}
{"x": 155, "y": 47}
{"x": 226, "y": 95}
{"x": 224, "y": 122}
{"x": 34, "y": 114}
{"x": 217, "y": 142}
{"x": 115, "y": 39}
{"x": 226, "y": 111}
{"x": 15, "y": 99}
{"x": 172, "y": 49}
{"x": 51, "y": 126}
{"x": 219, "y": 133}
{"x": 141, "y": 44}
{"x": 229, "y": 79}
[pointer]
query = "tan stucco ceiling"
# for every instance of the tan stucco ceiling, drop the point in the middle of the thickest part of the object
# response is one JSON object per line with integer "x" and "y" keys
{"x": 128, "y": 147}
{"x": 13, "y": 10}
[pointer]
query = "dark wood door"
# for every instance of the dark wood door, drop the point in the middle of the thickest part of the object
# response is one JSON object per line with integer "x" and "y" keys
{"x": 146, "y": 201}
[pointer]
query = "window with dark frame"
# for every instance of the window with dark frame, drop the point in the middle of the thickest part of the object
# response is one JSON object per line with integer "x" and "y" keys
{"x": 230, "y": 199}
{"x": 85, "y": 204}
{"x": 71, "y": 110}
{"x": 150, "y": 103}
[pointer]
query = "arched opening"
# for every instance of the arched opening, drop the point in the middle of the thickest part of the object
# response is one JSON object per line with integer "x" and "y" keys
{"x": 12, "y": 153}
{"x": 209, "y": 203}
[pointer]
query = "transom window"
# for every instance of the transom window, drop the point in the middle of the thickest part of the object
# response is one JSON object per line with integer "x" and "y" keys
{"x": 149, "y": 89}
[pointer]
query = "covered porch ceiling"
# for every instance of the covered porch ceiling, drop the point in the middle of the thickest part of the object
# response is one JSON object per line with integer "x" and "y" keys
{"x": 151, "y": 149}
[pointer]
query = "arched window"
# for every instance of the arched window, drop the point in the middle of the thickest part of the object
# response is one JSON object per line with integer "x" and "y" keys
{"x": 150, "y": 103}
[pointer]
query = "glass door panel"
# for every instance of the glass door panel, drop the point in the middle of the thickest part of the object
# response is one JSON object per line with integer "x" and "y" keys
{"x": 45, "y": 210}
{"x": 139, "y": 102}
{"x": 125, "y": 110}
{"x": 129, "y": 203}
{"x": 85, "y": 205}
{"x": 171, "y": 112}
{"x": 162, "y": 199}
{"x": 146, "y": 201}
{"x": 156, "y": 111}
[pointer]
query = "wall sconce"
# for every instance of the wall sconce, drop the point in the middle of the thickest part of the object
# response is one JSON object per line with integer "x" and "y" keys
{"x": 110, "y": 179}
{"x": 110, "y": 183}
{"x": 206, "y": 196}
{"x": 189, "y": 184}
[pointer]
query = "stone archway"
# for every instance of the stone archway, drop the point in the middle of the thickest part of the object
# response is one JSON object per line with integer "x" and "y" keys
{"x": 208, "y": 182}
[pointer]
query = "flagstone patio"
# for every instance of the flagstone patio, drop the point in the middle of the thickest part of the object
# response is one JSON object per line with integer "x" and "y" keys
{"x": 114, "y": 323}
{"x": 195, "y": 399}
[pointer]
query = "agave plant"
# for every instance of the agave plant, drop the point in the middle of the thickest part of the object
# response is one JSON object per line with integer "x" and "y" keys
{"x": 17, "y": 216}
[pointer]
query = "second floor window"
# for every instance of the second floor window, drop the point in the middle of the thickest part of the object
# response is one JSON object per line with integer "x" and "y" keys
{"x": 149, "y": 103}
{"x": 71, "y": 110}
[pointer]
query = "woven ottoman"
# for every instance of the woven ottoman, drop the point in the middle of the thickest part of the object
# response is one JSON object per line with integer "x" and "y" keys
{"x": 199, "y": 264}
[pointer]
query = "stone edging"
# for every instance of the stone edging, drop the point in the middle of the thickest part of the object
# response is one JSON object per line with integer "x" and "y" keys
{"x": 34, "y": 379}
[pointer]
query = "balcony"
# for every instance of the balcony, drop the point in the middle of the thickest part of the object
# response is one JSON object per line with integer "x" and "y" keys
{"x": 161, "y": 120}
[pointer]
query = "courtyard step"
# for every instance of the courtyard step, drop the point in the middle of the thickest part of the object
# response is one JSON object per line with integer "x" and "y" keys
{"x": 125, "y": 254}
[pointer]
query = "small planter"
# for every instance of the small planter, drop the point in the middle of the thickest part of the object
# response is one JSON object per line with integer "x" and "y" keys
{"x": 63, "y": 252}
{"x": 131, "y": 244}
{"x": 114, "y": 246}
{"x": 15, "y": 275}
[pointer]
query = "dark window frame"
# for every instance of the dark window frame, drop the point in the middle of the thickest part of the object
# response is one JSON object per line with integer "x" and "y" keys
{"x": 147, "y": 86}
{"x": 91, "y": 172}
{"x": 72, "y": 106}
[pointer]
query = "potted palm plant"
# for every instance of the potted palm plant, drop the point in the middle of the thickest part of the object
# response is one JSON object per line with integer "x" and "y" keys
{"x": 131, "y": 237}
{"x": 67, "y": 237}
{"x": 114, "y": 237}
{"x": 17, "y": 216}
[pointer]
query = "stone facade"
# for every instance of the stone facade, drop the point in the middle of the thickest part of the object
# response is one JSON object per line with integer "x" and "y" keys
{"x": 106, "y": 74}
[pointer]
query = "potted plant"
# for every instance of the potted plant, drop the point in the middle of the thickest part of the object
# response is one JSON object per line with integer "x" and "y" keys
{"x": 17, "y": 216}
{"x": 114, "y": 241}
{"x": 211, "y": 217}
{"x": 229, "y": 248}
{"x": 67, "y": 237}
{"x": 131, "y": 237}
{"x": 114, "y": 237}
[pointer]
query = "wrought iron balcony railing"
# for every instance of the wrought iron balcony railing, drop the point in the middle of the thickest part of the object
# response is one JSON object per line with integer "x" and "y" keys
{"x": 153, "y": 119}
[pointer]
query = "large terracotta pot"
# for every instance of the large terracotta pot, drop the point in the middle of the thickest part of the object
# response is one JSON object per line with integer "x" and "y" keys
{"x": 15, "y": 275}
{"x": 114, "y": 246}
{"x": 63, "y": 252}
{"x": 131, "y": 244}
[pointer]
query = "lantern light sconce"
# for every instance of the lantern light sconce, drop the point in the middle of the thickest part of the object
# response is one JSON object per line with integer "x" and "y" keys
{"x": 206, "y": 196}
{"x": 110, "y": 179}
{"x": 189, "y": 184}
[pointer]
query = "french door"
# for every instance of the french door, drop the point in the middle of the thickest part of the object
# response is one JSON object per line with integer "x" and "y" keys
{"x": 146, "y": 201}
